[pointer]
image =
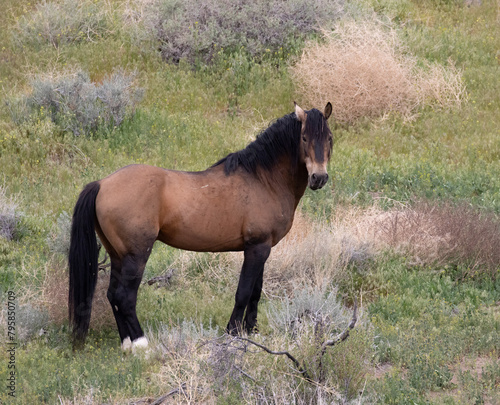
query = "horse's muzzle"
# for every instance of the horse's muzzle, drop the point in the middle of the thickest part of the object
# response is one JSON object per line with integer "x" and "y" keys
{"x": 317, "y": 180}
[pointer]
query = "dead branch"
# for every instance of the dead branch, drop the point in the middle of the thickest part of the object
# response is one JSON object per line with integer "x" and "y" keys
{"x": 162, "y": 280}
{"x": 161, "y": 399}
{"x": 340, "y": 338}
{"x": 302, "y": 369}
{"x": 345, "y": 334}
{"x": 245, "y": 374}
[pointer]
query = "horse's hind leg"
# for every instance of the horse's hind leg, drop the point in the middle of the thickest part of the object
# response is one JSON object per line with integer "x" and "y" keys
{"x": 122, "y": 295}
{"x": 114, "y": 292}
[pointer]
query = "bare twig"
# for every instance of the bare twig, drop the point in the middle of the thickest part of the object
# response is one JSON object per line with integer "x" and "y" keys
{"x": 161, "y": 399}
{"x": 244, "y": 373}
{"x": 302, "y": 369}
{"x": 345, "y": 334}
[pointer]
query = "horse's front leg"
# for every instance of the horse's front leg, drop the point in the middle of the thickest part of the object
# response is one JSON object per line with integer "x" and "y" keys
{"x": 250, "y": 320}
{"x": 250, "y": 278}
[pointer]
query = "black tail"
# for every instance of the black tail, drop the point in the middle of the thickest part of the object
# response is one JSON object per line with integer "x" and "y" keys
{"x": 83, "y": 256}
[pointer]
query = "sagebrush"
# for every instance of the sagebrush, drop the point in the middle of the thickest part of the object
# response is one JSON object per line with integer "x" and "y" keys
{"x": 78, "y": 105}
{"x": 199, "y": 30}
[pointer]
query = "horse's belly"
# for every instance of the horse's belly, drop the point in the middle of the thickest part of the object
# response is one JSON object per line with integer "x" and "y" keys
{"x": 216, "y": 240}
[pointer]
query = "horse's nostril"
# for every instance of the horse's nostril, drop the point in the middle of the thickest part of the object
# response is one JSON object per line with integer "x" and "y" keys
{"x": 314, "y": 177}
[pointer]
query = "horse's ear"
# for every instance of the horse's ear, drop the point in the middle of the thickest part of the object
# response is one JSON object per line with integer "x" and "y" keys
{"x": 328, "y": 110}
{"x": 300, "y": 113}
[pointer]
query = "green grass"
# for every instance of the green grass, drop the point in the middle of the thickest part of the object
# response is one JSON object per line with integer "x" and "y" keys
{"x": 426, "y": 324}
{"x": 419, "y": 324}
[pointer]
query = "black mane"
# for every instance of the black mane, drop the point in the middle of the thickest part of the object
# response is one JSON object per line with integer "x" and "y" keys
{"x": 281, "y": 138}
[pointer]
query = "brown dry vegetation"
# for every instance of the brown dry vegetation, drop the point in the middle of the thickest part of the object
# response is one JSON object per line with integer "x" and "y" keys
{"x": 54, "y": 297}
{"x": 363, "y": 71}
{"x": 440, "y": 234}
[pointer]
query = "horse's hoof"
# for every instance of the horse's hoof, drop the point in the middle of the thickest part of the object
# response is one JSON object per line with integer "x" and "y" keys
{"x": 232, "y": 331}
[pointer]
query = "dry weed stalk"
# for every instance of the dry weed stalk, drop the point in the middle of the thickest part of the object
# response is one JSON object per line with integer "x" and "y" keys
{"x": 362, "y": 70}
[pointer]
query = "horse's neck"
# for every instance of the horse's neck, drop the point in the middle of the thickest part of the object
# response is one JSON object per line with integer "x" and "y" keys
{"x": 301, "y": 179}
{"x": 291, "y": 183}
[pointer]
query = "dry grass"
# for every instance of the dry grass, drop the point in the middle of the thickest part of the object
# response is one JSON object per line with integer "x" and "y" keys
{"x": 54, "y": 296}
{"x": 316, "y": 254}
{"x": 438, "y": 234}
{"x": 362, "y": 70}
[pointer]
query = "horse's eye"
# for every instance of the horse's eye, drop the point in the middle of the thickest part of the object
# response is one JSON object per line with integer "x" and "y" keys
{"x": 304, "y": 139}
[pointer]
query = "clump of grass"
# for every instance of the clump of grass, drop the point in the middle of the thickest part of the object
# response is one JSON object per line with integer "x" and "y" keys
{"x": 62, "y": 22}
{"x": 31, "y": 320}
{"x": 198, "y": 30}
{"x": 363, "y": 70}
{"x": 10, "y": 216}
{"x": 59, "y": 239}
{"x": 78, "y": 105}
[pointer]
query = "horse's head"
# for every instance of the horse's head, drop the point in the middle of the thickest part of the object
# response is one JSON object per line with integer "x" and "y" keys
{"x": 315, "y": 144}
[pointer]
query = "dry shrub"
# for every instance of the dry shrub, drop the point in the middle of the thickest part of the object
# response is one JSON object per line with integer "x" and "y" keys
{"x": 315, "y": 254}
{"x": 185, "y": 351}
{"x": 55, "y": 296}
{"x": 362, "y": 69}
{"x": 438, "y": 234}
{"x": 440, "y": 85}
{"x": 201, "y": 366}
{"x": 433, "y": 233}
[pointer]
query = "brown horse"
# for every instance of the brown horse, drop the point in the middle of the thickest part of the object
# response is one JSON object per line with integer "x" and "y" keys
{"x": 246, "y": 201}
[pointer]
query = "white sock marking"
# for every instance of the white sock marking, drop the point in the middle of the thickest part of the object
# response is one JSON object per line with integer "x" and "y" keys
{"x": 126, "y": 344}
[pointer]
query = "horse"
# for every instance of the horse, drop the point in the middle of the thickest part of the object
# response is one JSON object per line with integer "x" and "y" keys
{"x": 244, "y": 202}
